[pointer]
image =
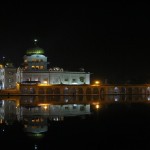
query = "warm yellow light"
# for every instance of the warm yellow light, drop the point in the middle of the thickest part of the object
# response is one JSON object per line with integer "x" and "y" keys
{"x": 44, "y": 82}
{"x": 43, "y": 104}
{"x": 97, "y": 106}
{"x": 45, "y": 107}
{"x": 1, "y": 66}
{"x": 97, "y": 82}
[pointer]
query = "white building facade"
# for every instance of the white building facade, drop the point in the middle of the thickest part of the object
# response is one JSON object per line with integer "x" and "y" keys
{"x": 7, "y": 76}
{"x": 35, "y": 69}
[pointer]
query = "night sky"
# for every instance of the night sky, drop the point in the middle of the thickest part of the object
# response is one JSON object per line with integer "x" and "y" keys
{"x": 111, "y": 40}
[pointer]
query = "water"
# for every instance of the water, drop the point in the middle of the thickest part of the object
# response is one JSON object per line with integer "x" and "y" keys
{"x": 97, "y": 122}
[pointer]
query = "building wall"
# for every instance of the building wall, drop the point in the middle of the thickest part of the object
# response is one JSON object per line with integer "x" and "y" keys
{"x": 1, "y": 78}
{"x": 35, "y": 62}
{"x": 7, "y": 78}
{"x": 56, "y": 77}
{"x": 10, "y": 78}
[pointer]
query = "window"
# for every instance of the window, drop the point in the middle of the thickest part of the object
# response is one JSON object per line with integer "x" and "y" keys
{"x": 41, "y": 67}
{"x": 73, "y": 80}
{"x": 66, "y": 108}
{"x": 82, "y": 108}
{"x": 66, "y": 80}
{"x": 37, "y": 67}
{"x": 82, "y": 79}
{"x": 33, "y": 67}
{"x": 33, "y": 60}
{"x": 74, "y": 106}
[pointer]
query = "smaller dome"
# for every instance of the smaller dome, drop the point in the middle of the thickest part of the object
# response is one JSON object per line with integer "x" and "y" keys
{"x": 35, "y": 50}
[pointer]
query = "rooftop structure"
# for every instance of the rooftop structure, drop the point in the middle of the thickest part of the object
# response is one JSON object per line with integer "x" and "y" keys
{"x": 35, "y": 69}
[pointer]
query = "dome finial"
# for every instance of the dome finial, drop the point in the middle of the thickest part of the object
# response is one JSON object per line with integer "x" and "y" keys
{"x": 35, "y": 42}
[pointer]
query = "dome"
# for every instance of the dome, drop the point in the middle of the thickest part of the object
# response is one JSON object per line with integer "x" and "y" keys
{"x": 35, "y": 50}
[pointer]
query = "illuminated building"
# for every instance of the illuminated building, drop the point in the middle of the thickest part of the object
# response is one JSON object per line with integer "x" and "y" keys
{"x": 7, "y": 76}
{"x": 35, "y": 69}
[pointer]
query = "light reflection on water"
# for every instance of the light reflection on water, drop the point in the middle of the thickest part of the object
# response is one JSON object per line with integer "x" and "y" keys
{"x": 34, "y": 120}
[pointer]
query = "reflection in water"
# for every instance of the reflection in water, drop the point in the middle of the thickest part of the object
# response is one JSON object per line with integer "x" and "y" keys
{"x": 36, "y": 112}
{"x": 36, "y": 115}
{"x": 35, "y": 118}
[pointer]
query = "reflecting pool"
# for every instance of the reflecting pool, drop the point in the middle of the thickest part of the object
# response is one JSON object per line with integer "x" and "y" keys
{"x": 92, "y": 121}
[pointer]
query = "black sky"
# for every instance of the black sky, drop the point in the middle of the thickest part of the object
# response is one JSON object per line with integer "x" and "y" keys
{"x": 110, "y": 40}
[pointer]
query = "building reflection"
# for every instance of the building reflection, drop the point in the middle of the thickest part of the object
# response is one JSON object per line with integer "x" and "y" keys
{"x": 36, "y": 113}
{"x": 7, "y": 112}
{"x": 36, "y": 117}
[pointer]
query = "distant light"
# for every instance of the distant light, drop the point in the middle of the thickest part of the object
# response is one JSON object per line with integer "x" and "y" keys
{"x": 35, "y": 40}
{"x": 97, "y": 82}
{"x": 116, "y": 99}
{"x": 45, "y": 107}
{"x": 35, "y": 146}
{"x": 45, "y": 82}
{"x": 97, "y": 106}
